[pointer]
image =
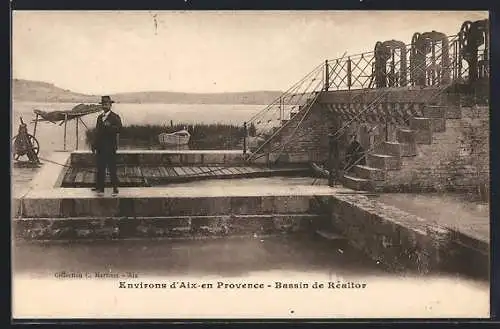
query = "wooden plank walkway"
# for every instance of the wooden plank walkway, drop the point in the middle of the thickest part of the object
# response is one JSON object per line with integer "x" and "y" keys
{"x": 135, "y": 176}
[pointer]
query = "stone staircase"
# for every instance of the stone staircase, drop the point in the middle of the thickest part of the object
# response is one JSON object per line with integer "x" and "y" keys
{"x": 388, "y": 156}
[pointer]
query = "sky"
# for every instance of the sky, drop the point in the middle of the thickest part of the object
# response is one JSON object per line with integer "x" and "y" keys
{"x": 225, "y": 51}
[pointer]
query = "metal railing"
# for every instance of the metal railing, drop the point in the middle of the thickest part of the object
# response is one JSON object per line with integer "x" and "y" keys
{"x": 360, "y": 71}
{"x": 264, "y": 125}
{"x": 432, "y": 59}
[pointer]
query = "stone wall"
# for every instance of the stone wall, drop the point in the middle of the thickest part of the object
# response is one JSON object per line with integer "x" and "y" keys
{"x": 184, "y": 227}
{"x": 401, "y": 241}
{"x": 457, "y": 159}
{"x": 308, "y": 142}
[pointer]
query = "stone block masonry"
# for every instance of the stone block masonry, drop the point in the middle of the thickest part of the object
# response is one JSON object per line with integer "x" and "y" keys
{"x": 456, "y": 159}
{"x": 400, "y": 241}
{"x": 308, "y": 142}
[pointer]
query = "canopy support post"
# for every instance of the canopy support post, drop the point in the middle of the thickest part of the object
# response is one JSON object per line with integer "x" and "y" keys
{"x": 65, "y": 125}
{"x": 76, "y": 127}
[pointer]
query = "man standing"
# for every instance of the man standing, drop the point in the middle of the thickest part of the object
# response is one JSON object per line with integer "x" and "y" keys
{"x": 105, "y": 145}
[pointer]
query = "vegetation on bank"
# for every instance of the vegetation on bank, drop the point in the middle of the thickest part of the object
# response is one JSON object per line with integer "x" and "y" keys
{"x": 203, "y": 136}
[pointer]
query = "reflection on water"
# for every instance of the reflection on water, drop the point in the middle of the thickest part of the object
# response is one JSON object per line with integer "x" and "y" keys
{"x": 353, "y": 285}
{"x": 225, "y": 257}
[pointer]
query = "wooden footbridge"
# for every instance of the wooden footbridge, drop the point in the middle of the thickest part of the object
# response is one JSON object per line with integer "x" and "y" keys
{"x": 147, "y": 176}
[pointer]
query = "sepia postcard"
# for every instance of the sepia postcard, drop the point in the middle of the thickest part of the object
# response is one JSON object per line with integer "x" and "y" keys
{"x": 250, "y": 164}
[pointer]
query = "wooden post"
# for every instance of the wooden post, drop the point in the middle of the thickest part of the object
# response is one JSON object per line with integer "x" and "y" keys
{"x": 244, "y": 138}
{"x": 65, "y": 125}
{"x": 76, "y": 126}
{"x": 34, "y": 128}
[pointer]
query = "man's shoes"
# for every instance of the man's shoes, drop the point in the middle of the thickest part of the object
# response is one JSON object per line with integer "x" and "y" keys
{"x": 99, "y": 192}
{"x": 115, "y": 192}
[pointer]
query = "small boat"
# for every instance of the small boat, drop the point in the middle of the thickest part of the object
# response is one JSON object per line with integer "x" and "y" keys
{"x": 180, "y": 137}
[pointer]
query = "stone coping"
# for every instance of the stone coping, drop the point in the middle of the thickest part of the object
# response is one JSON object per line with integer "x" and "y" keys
{"x": 413, "y": 222}
{"x": 184, "y": 192}
{"x": 52, "y": 173}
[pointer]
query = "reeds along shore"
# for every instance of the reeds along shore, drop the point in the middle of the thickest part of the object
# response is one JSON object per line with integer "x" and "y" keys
{"x": 203, "y": 136}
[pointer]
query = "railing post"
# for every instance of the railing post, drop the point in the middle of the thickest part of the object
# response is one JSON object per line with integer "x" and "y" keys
{"x": 327, "y": 76}
{"x": 282, "y": 112}
{"x": 349, "y": 73}
{"x": 244, "y": 138}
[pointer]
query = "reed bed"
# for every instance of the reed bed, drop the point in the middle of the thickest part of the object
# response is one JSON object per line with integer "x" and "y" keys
{"x": 203, "y": 136}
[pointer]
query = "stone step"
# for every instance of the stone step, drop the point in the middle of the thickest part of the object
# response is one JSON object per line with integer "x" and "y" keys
{"x": 397, "y": 149}
{"x": 445, "y": 111}
{"x": 423, "y": 128}
{"x": 434, "y": 111}
{"x": 384, "y": 162}
{"x": 406, "y": 136}
{"x": 95, "y": 228}
{"x": 357, "y": 184}
{"x": 424, "y": 123}
{"x": 408, "y": 150}
{"x": 420, "y": 124}
{"x": 370, "y": 173}
{"x": 389, "y": 148}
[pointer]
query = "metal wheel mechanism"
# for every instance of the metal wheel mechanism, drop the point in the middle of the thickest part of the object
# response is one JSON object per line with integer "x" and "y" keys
{"x": 21, "y": 148}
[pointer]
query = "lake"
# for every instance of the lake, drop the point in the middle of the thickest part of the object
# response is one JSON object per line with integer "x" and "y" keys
{"x": 50, "y": 136}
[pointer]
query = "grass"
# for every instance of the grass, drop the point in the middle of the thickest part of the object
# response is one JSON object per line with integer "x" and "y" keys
{"x": 203, "y": 136}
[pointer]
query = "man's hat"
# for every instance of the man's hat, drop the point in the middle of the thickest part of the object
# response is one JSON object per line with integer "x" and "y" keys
{"x": 106, "y": 100}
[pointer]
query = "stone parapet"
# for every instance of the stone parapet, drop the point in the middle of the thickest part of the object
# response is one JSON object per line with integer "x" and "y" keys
{"x": 402, "y": 241}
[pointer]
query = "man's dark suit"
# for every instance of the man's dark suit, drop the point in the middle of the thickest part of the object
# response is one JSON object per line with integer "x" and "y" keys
{"x": 105, "y": 145}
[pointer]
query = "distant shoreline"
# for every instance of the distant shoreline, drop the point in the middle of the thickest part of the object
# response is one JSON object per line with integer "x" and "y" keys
{"x": 43, "y": 92}
{"x": 142, "y": 103}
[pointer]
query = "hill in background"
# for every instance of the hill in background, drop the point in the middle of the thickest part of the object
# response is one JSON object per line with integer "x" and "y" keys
{"x": 38, "y": 91}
